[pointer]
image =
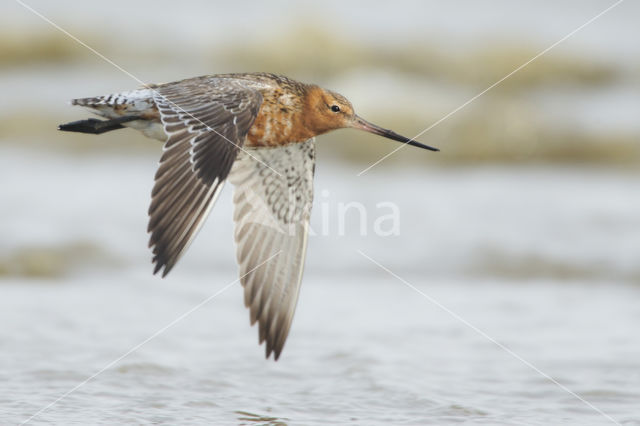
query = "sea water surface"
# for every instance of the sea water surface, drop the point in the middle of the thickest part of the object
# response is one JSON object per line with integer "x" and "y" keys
{"x": 512, "y": 297}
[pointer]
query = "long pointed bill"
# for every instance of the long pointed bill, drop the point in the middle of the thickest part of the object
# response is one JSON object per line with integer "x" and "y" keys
{"x": 362, "y": 124}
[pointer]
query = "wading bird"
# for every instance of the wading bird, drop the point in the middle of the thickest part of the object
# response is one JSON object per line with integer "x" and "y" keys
{"x": 257, "y": 130}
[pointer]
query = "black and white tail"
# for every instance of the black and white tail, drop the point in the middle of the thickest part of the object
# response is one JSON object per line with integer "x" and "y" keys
{"x": 134, "y": 109}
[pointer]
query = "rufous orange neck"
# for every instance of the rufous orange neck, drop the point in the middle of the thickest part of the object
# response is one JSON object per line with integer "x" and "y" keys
{"x": 286, "y": 118}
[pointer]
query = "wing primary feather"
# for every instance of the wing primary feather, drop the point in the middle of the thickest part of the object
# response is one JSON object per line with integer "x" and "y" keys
{"x": 268, "y": 205}
{"x": 206, "y": 120}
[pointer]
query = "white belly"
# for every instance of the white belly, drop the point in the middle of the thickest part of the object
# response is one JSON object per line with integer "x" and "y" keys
{"x": 151, "y": 129}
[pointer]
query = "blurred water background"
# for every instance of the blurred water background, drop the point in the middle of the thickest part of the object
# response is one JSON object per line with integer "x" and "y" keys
{"x": 526, "y": 224}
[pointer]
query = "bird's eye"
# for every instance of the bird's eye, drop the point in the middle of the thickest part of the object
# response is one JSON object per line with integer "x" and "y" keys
{"x": 335, "y": 108}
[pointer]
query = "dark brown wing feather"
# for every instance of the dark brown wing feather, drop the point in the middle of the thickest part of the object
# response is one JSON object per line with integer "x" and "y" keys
{"x": 206, "y": 120}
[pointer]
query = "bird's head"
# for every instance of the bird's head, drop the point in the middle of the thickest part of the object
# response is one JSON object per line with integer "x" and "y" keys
{"x": 327, "y": 110}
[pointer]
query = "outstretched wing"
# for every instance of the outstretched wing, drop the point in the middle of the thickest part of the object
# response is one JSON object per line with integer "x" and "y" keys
{"x": 206, "y": 121}
{"x": 272, "y": 210}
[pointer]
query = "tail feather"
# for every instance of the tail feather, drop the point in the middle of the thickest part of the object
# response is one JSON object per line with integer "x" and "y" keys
{"x": 139, "y": 100}
{"x": 90, "y": 102}
{"x": 95, "y": 126}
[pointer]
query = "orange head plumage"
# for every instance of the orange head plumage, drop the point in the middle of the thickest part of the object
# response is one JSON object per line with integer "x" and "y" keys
{"x": 325, "y": 110}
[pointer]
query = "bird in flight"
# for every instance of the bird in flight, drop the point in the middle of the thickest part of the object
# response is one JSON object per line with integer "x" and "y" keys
{"x": 258, "y": 131}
